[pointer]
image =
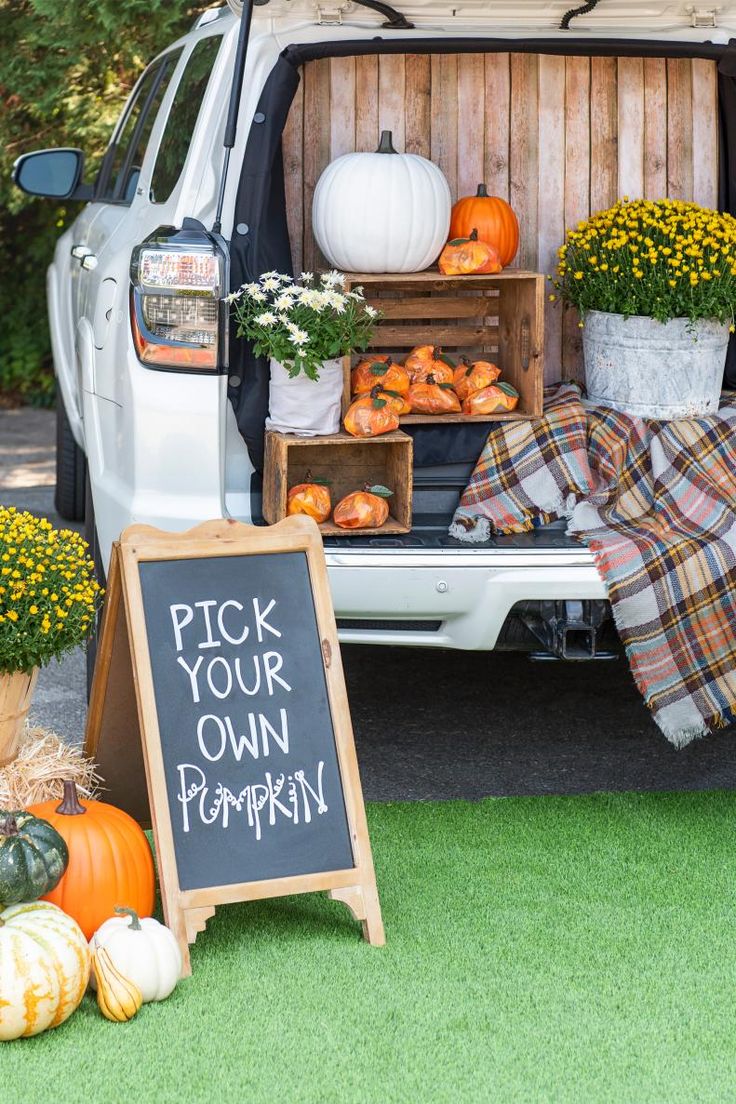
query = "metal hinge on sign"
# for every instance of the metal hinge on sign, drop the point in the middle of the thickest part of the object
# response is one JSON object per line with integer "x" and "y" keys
{"x": 703, "y": 17}
{"x": 331, "y": 17}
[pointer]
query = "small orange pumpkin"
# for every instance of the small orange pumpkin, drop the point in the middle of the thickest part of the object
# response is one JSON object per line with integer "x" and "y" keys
{"x": 312, "y": 499}
{"x": 430, "y": 397}
{"x": 367, "y": 509}
{"x": 110, "y": 861}
{"x": 371, "y": 415}
{"x": 492, "y": 217}
{"x": 497, "y": 398}
{"x": 379, "y": 371}
{"x": 399, "y": 402}
{"x": 466, "y": 256}
{"x": 419, "y": 357}
{"x": 472, "y": 376}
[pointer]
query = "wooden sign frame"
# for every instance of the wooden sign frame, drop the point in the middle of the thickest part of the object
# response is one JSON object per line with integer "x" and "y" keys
{"x": 123, "y": 672}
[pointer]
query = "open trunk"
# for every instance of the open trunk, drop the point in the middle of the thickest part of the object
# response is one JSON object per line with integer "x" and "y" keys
{"x": 558, "y": 136}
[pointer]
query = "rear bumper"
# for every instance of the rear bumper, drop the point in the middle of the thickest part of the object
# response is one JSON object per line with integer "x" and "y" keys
{"x": 464, "y": 596}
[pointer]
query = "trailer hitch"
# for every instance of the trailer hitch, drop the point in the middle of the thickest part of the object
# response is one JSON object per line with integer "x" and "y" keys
{"x": 568, "y": 629}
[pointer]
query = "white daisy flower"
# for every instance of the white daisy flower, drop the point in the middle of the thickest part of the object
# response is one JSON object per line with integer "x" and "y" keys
{"x": 259, "y": 297}
{"x": 371, "y": 312}
{"x": 271, "y": 283}
{"x": 266, "y": 318}
{"x": 333, "y": 278}
{"x": 283, "y": 302}
{"x": 233, "y": 296}
{"x": 250, "y": 289}
{"x": 306, "y": 277}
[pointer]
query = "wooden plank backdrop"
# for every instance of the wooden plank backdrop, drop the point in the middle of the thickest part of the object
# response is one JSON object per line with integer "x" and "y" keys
{"x": 558, "y": 137}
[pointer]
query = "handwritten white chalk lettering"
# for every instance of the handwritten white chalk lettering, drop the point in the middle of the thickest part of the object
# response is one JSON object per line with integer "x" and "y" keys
{"x": 282, "y": 797}
{"x": 222, "y": 674}
{"x": 183, "y": 616}
{"x": 213, "y": 734}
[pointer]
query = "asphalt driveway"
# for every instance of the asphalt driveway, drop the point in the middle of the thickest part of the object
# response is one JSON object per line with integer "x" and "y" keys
{"x": 436, "y": 724}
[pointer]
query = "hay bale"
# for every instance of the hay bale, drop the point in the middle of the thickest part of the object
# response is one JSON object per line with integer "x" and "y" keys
{"x": 43, "y": 764}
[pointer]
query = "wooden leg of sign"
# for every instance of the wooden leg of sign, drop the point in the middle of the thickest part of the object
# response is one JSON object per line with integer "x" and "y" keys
{"x": 363, "y": 904}
{"x": 196, "y": 920}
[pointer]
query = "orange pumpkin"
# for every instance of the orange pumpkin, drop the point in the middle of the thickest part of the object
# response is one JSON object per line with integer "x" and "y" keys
{"x": 441, "y": 370}
{"x": 371, "y": 415}
{"x": 419, "y": 357}
{"x": 497, "y": 398}
{"x": 312, "y": 499}
{"x": 110, "y": 861}
{"x": 492, "y": 217}
{"x": 467, "y": 256}
{"x": 362, "y": 509}
{"x": 472, "y": 376}
{"x": 381, "y": 371}
{"x": 431, "y": 397}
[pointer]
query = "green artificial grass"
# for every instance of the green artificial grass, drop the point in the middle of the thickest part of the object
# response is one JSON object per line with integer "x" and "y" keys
{"x": 539, "y": 949}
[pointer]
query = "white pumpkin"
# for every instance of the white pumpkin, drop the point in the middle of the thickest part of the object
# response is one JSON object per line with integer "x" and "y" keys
{"x": 44, "y": 968}
{"x": 143, "y": 951}
{"x": 382, "y": 211}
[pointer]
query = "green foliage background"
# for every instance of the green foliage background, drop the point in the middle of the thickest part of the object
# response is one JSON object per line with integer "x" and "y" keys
{"x": 66, "y": 69}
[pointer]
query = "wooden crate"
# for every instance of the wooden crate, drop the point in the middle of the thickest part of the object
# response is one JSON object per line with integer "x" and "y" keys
{"x": 347, "y": 463}
{"x": 498, "y": 318}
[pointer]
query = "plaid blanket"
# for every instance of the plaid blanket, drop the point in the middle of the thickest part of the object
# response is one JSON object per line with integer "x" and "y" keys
{"x": 656, "y": 504}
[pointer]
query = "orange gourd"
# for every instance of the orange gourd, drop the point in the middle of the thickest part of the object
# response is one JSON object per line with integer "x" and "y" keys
{"x": 371, "y": 415}
{"x": 472, "y": 376}
{"x": 430, "y": 397}
{"x": 312, "y": 499}
{"x": 468, "y": 256}
{"x": 110, "y": 860}
{"x": 492, "y": 217}
{"x": 366, "y": 509}
{"x": 497, "y": 398}
{"x": 420, "y": 356}
{"x": 382, "y": 372}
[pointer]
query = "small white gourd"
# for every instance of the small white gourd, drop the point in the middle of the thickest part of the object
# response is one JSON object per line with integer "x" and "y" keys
{"x": 142, "y": 950}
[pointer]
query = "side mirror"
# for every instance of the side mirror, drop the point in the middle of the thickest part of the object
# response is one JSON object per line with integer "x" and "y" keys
{"x": 54, "y": 173}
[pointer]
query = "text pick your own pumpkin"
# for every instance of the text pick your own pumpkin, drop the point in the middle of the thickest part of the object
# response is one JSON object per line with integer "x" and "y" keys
{"x": 110, "y": 860}
{"x": 33, "y": 857}
{"x": 141, "y": 950}
{"x": 44, "y": 968}
{"x": 382, "y": 211}
{"x": 492, "y": 217}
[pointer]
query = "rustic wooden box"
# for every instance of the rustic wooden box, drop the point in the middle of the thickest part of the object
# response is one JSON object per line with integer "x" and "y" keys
{"x": 347, "y": 463}
{"x": 498, "y": 318}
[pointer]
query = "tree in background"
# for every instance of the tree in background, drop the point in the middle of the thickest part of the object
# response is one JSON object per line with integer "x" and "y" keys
{"x": 66, "y": 70}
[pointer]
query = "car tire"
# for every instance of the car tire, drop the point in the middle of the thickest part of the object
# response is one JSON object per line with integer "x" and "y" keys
{"x": 71, "y": 469}
{"x": 90, "y": 535}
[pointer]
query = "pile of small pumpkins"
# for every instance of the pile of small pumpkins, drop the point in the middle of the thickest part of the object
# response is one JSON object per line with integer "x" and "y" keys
{"x": 484, "y": 236}
{"x": 428, "y": 382}
{"x": 92, "y": 868}
{"x": 366, "y": 509}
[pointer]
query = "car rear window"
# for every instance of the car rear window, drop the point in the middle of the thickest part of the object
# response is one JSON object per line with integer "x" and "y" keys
{"x": 182, "y": 119}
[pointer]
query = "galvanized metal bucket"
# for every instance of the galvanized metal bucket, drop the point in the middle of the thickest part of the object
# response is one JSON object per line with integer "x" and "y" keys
{"x": 653, "y": 369}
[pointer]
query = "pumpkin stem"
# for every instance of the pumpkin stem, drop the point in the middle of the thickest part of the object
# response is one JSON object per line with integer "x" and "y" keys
{"x": 482, "y": 191}
{"x": 430, "y": 379}
{"x": 71, "y": 805}
{"x": 473, "y": 236}
{"x": 135, "y": 923}
{"x": 386, "y": 144}
{"x": 9, "y": 826}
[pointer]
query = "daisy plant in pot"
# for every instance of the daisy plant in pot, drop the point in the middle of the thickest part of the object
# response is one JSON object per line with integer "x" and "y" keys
{"x": 48, "y": 602}
{"x": 304, "y": 327}
{"x": 654, "y": 283}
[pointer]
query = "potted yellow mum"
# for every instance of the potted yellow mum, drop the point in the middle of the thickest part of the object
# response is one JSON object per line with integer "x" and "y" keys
{"x": 655, "y": 286}
{"x": 48, "y": 601}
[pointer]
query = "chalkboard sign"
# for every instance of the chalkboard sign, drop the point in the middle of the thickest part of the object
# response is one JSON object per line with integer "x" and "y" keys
{"x": 224, "y": 639}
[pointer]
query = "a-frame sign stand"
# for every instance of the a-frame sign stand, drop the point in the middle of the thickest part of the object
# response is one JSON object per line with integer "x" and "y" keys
{"x": 124, "y": 734}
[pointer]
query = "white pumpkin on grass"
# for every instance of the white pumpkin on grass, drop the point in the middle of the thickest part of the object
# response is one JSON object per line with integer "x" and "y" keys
{"x": 141, "y": 950}
{"x": 44, "y": 968}
{"x": 382, "y": 211}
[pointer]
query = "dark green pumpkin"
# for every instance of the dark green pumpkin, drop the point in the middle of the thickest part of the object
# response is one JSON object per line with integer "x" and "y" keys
{"x": 33, "y": 857}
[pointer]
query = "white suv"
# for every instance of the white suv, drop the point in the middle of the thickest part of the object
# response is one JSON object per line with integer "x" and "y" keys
{"x": 170, "y": 437}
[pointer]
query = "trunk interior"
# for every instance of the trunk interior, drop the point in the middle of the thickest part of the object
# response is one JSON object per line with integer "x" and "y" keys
{"x": 558, "y": 137}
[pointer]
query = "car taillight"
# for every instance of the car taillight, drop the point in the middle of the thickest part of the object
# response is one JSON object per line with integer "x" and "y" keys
{"x": 178, "y": 312}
